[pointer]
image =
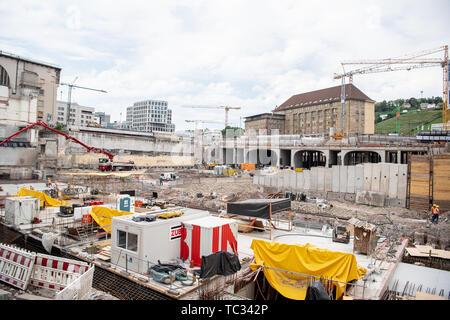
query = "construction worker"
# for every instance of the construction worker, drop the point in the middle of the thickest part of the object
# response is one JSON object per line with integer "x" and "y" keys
{"x": 49, "y": 182}
{"x": 435, "y": 211}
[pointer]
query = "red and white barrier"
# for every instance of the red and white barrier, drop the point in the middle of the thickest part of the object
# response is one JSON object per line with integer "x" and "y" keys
{"x": 56, "y": 273}
{"x": 16, "y": 266}
{"x": 78, "y": 289}
{"x": 204, "y": 236}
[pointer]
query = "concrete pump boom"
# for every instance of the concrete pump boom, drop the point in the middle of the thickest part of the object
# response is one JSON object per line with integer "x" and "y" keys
{"x": 43, "y": 124}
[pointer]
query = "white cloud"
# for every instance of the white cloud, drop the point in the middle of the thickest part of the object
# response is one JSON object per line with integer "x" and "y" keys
{"x": 255, "y": 54}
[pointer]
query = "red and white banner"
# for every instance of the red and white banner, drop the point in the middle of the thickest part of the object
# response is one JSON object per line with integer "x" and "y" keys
{"x": 198, "y": 241}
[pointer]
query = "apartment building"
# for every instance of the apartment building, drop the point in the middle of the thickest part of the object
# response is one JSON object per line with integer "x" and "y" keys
{"x": 79, "y": 115}
{"x": 316, "y": 112}
{"x": 150, "y": 116}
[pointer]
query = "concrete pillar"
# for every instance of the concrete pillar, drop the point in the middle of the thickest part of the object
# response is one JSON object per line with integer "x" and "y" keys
{"x": 382, "y": 155}
{"x": 342, "y": 155}
{"x": 327, "y": 157}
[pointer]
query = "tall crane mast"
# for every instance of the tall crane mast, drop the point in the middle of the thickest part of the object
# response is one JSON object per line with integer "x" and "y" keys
{"x": 407, "y": 62}
{"x": 226, "y": 108}
{"x": 69, "y": 94}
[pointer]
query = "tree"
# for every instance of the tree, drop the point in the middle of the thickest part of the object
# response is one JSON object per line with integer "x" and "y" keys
{"x": 413, "y": 102}
{"x": 235, "y": 131}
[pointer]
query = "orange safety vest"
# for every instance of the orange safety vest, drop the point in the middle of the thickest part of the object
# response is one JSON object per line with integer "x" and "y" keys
{"x": 435, "y": 210}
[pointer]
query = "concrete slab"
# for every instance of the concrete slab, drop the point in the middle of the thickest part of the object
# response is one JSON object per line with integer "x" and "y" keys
{"x": 313, "y": 178}
{"x": 5, "y": 295}
{"x": 359, "y": 177}
{"x": 370, "y": 198}
{"x": 307, "y": 179}
{"x": 384, "y": 179}
{"x": 367, "y": 181}
{"x": 376, "y": 176}
{"x": 328, "y": 183}
{"x": 335, "y": 170}
{"x": 321, "y": 179}
{"x": 402, "y": 181}
{"x": 351, "y": 183}
{"x": 393, "y": 180}
{"x": 300, "y": 180}
{"x": 343, "y": 178}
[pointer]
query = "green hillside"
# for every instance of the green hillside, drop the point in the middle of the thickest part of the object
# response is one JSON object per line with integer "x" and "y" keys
{"x": 410, "y": 122}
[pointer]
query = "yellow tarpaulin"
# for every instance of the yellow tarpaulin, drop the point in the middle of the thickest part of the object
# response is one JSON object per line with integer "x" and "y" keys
{"x": 306, "y": 260}
{"x": 103, "y": 215}
{"x": 49, "y": 201}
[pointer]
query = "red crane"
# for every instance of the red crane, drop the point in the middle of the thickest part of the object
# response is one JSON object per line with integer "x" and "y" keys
{"x": 43, "y": 124}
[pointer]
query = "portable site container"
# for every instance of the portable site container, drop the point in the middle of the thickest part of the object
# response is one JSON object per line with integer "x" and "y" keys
{"x": 137, "y": 245}
{"x": 206, "y": 235}
{"x": 125, "y": 202}
{"x": 21, "y": 210}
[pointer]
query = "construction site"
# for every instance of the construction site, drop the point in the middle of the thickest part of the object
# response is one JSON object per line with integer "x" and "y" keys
{"x": 96, "y": 213}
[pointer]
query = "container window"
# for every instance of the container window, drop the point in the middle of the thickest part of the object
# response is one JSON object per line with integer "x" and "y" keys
{"x": 121, "y": 239}
{"x": 132, "y": 242}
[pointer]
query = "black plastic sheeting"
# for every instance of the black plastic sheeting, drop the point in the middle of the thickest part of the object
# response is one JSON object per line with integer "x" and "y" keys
{"x": 316, "y": 291}
{"x": 258, "y": 208}
{"x": 221, "y": 262}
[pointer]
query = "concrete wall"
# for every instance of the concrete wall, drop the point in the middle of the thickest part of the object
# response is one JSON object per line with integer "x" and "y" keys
{"x": 375, "y": 182}
{"x": 18, "y": 157}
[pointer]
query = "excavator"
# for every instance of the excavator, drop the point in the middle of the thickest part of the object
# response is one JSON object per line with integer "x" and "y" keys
{"x": 106, "y": 164}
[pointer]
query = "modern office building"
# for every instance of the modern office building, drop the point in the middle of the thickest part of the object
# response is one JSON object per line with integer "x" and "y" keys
{"x": 103, "y": 118}
{"x": 150, "y": 116}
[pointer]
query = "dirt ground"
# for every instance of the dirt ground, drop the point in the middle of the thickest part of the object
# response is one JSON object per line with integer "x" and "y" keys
{"x": 400, "y": 222}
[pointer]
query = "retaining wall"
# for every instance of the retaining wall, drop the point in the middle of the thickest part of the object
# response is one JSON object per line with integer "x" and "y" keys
{"x": 386, "y": 182}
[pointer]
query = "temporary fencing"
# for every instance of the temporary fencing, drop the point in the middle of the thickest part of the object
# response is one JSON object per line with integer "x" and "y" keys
{"x": 78, "y": 289}
{"x": 56, "y": 273}
{"x": 16, "y": 266}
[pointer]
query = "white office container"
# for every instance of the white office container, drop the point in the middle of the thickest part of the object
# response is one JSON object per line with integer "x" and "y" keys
{"x": 147, "y": 242}
{"x": 21, "y": 210}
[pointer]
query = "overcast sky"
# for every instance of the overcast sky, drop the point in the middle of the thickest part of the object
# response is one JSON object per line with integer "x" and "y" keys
{"x": 252, "y": 54}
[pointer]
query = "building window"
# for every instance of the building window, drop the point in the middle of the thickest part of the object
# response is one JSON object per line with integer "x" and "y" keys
{"x": 41, "y": 92}
{"x": 127, "y": 240}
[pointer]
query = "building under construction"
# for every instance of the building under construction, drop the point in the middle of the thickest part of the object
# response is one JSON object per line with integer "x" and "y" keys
{"x": 91, "y": 213}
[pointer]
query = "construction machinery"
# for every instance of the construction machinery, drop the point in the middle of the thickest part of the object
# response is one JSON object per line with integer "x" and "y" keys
{"x": 68, "y": 137}
{"x": 406, "y": 62}
{"x": 226, "y": 108}
{"x": 106, "y": 164}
